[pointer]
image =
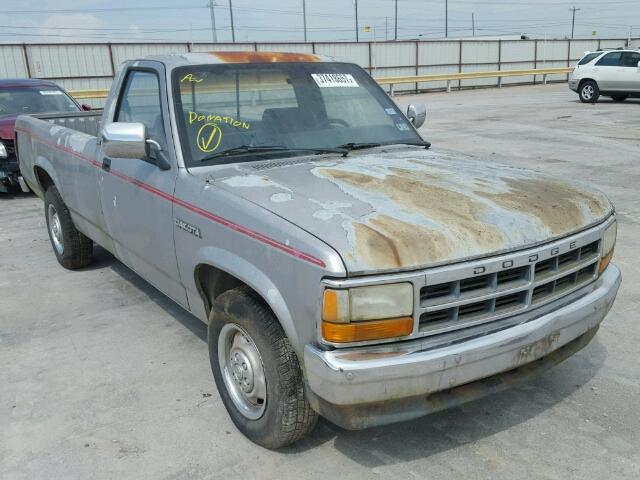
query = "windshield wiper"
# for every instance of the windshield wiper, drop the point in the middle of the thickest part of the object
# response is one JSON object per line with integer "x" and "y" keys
{"x": 248, "y": 149}
{"x": 361, "y": 146}
{"x": 417, "y": 144}
{"x": 244, "y": 149}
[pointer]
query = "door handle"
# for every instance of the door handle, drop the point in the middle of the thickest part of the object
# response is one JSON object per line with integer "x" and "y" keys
{"x": 106, "y": 164}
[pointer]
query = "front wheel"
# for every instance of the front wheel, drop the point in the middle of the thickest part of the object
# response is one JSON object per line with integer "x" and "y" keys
{"x": 589, "y": 92}
{"x": 619, "y": 98}
{"x": 72, "y": 249}
{"x": 256, "y": 371}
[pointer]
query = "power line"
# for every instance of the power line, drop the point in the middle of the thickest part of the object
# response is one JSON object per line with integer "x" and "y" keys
{"x": 446, "y": 18}
{"x": 304, "y": 18}
{"x": 573, "y": 19}
{"x": 357, "y": 27}
{"x": 233, "y": 30}
{"x": 396, "y": 27}
{"x": 214, "y": 36}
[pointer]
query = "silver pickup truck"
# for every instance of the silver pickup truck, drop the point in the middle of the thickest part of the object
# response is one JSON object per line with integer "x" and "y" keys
{"x": 343, "y": 267}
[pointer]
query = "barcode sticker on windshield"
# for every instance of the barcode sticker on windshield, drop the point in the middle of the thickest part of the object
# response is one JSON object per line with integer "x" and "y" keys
{"x": 50, "y": 92}
{"x": 324, "y": 80}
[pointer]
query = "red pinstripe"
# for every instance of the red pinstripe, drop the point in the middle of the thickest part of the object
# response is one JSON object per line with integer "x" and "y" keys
{"x": 189, "y": 206}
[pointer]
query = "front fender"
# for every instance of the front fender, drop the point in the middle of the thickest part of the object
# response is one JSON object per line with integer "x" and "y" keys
{"x": 255, "y": 278}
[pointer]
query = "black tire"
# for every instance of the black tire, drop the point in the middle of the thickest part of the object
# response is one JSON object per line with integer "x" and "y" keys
{"x": 287, "y": 415}
{"x": 619, "y": 98}
{"x": 589, "y": 92}
{"x": 77, "y": 249}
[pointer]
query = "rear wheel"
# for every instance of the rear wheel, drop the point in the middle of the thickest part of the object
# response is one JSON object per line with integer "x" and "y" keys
{"x": 256, "y": 371}
{"x": 72, "y": 248}
{"x": 589, "y": 92}
{"x": 619, "y": 98}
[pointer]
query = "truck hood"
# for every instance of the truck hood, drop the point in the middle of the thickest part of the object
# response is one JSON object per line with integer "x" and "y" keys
{"x": 7, "y": 126}
{"x": 401, "y": 208}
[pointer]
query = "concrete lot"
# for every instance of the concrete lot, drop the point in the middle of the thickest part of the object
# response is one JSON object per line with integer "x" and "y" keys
{"x": 103, "y": 377}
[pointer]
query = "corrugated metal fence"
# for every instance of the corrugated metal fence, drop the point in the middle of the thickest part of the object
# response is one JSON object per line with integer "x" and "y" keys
{"x": 92, "y": 66}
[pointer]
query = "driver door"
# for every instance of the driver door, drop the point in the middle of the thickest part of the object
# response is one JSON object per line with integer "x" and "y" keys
{"x": 137, "y": 194}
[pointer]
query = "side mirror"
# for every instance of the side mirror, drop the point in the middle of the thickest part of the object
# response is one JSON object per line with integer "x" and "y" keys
{"x": 85, "y": 107}
{"x": 417, "y": 114}
{"x": 125, "y": 140}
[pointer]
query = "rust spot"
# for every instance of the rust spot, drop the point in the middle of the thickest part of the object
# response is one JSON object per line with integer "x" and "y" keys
{"x": 264, "y": 57}
{"x": 536, "y": 350}
{"x": 388, "y": 242}
{"x": 561, "y": 207}
{"x": 385, "y": 241}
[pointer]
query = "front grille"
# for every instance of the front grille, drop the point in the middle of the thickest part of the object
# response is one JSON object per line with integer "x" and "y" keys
{"x": 512, "y": 287}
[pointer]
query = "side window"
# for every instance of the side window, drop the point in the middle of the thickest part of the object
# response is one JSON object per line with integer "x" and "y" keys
{"x": 630, "y": 59}
{"x": 610, "y": 60}
{"x": 140, "y": 102}
{"x": 588, "y": 57}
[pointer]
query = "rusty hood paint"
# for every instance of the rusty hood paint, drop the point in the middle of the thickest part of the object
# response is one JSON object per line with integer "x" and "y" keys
{"x": 400, "y": 208}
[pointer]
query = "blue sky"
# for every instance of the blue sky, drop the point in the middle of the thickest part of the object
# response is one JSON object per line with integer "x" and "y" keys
{"x": 269, "y": 20}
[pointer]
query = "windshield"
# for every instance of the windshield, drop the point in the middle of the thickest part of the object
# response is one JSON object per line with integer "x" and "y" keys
{"x": 284, "y": 106}
{"x": 38, "y": 99}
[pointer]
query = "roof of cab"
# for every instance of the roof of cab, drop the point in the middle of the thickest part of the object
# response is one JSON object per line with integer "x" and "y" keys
{"x": 199, "y": 58}
{"x": 25, "y": 82}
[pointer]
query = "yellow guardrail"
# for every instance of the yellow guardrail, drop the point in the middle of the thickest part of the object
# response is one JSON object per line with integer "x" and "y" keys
{"x": 82, "y": 94}
{"x": 449, "y": 77}
{"x": 391, "y": 81}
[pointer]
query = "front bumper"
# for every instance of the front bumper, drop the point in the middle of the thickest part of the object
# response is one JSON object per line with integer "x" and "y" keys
{"x": 367, "y": 386}
{"x": 573, "y": 84}
{"x": 10, "y": 175}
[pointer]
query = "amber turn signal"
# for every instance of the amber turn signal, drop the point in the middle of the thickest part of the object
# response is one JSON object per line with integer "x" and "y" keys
{"x": 363, "y": 331}
{"x": 604, "y": 262}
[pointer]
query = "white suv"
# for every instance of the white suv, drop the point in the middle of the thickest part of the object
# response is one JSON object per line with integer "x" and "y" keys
{"x": 611, "y": 73}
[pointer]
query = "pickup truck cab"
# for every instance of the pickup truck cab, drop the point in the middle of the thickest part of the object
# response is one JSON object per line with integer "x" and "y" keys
{"x": 343, "y": 267}
{"x": 607, "y": 73}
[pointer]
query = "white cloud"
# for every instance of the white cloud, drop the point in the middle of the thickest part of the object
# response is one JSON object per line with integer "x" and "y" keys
{"x": 70, "y": 27}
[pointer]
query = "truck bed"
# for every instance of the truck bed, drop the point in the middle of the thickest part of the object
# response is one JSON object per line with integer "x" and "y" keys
{"x": 86, "y": 122}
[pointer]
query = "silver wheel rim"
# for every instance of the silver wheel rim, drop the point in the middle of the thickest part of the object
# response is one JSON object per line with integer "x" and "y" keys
{"x": 587, "y": 92}
{"x": 242, "y": 370}
{"x": 55, "y": 229}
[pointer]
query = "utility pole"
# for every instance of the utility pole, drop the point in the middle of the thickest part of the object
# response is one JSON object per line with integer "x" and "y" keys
{"x": 473, "y": 24}
{"x": 446, "y": 18}
{"x": 304, "y": 19}
{"x": 386, "y": 29}
{"x": 396, "y": 29}
{"x": 357, "y": 27}
{"x": 214, "y": 35}
{"x": 233, "y": 30}
{"x": 573, "y": 19}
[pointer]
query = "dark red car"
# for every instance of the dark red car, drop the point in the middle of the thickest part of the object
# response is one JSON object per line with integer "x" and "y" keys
{"x": 25, "y": 96}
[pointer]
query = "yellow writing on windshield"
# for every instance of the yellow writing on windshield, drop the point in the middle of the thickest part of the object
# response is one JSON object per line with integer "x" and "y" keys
{"x": 190, "y": 78}
{"x": 195, "y": 117}
{"x": 209, "y": 137}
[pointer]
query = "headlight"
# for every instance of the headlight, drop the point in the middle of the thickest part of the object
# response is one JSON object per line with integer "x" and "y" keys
{"x": 608, "y": 245}
{"x": 3, "y": 151}
{"x": 367, "y": 313}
